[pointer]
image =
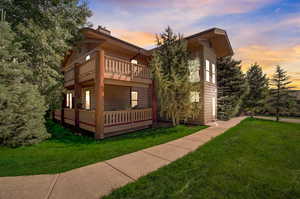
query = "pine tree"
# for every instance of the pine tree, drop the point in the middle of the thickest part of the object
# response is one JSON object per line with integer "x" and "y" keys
{"x": 231, "y": 87}
{"x": 280, "y": 93}
{"x": 46, "y": 29}
{"x": 255, "y": 100}
{"x": 171, "y": 75}
{"x": 21, "y": 105}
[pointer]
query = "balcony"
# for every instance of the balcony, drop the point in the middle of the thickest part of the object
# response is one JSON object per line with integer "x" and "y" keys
{"x": 115, "y": 69}
{"x": 114, "y": 121}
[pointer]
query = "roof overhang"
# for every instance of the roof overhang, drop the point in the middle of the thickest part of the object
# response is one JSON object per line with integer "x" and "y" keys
{"x": 218, "y": 39}
{"x": 108, "y": 40}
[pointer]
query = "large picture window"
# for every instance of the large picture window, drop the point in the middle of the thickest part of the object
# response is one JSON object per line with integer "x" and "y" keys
{"x": 207, "y": 71}
{"x": 134, "y": 99}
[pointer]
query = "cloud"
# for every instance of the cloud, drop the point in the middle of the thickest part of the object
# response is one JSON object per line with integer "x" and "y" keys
{"x": 153, "y": 16}
{"x": 268, "y": 57}
{"x": 135, "y": 37}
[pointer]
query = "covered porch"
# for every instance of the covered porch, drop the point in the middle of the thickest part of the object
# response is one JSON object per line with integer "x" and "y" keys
{"x": 126, "y": 108}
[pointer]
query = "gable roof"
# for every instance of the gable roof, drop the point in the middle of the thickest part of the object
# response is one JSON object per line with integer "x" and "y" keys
{"x": 216, "y": 36}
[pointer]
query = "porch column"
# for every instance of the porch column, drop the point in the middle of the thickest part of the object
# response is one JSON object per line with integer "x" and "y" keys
{"x": 154, "y": 103}
{"x": 62, "y": 112}
{"x": 77, "y": 94}
{"x": 99, "y": 89}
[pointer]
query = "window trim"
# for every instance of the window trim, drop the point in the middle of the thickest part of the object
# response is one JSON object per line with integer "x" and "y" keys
{"x": 214, "y": 106}
{"x": 134, "y": 100}
{"x": 69, "y": 100}
{"x": 213, "y": 73}
{"x": 207, "y": 70}
{"x": 89, "y": 99}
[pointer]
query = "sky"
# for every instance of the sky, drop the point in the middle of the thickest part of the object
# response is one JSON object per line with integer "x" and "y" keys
{"x": 262, "y": 31}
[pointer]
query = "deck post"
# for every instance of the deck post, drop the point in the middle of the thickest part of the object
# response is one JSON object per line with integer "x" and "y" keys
{"x": 99, "y": 89}
{"x": 62, "y": 111}
{"x": 77, "y": 94}
{"x": 154, "y": 103}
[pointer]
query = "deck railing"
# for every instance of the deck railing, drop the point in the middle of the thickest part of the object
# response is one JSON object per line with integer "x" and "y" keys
{"x": 123, "y": 67}
{"x": 113, "y": 118}
{"x": 115, "y": 68}
{"x": 114, "y": 121}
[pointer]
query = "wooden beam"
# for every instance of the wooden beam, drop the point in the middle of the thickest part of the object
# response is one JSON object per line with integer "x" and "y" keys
{"x": 77, "y": 94}
{"x": 99, "y": 89}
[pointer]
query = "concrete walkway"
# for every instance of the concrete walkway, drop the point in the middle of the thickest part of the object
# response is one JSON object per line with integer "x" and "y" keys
{"x": 291, "y": 120}
{"x": 96, "y": 180}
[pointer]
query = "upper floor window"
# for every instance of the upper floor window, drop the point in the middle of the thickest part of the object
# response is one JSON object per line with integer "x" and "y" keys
{"x": 87, "y": 58}
{"x": 207, "y": 71}
{"x": 195, "y": 96}
{"x": 134, "y": 61}
{"x": 87, "y": 104}
{"x": 194, "y": 67}
{"x": 134, "y": 99}
{"x": 69, "y": 100}
{"x": 213, "y": 71}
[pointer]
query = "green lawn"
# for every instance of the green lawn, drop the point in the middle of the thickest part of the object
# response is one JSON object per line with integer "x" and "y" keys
{"x": 65, "y": 151}
{"x": 255, "y": 159}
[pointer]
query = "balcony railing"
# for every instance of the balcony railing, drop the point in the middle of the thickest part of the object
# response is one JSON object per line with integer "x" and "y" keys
{"x": 115, "y": 68}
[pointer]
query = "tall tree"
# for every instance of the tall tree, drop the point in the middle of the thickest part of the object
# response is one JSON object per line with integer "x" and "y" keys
{"x": 280, "y": 93}
{"x": 255, "y": 100}
{"x": 46, "y": 29}
{"x": 21, "y": 105}
{"x": 231, "y": 87}
{"x": 171, "y": 75}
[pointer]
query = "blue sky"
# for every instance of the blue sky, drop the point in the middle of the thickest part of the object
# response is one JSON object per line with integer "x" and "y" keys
{"x": 262, "y": 31}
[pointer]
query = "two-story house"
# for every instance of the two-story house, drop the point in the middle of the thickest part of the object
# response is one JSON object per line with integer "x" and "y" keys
{"x": 109, "y": 84}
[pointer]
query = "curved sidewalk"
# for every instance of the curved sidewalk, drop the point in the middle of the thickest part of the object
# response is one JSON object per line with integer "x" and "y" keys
{"x": 96, "y": 180}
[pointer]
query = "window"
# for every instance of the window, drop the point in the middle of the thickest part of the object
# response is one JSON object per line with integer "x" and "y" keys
{"x": 134, "y": 61}
{"x": 214, "y": 106}
{"x": 194, "y": 67}
{"x": 87, "y": 100}
{"x": 213, "y": 71}
{"x": 69, "y": 100}
{"x": 88, "y": 57}
{"x": 134, "y": 99}
{"x": 195, "y": 96}
{"x": 207, "y": 70}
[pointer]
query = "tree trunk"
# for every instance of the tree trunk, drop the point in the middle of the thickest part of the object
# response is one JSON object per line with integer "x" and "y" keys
{"x": 277, "y": 114}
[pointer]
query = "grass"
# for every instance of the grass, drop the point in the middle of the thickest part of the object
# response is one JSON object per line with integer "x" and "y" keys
{"x": 66, "y": 151}
{"x": 255, "y": 159}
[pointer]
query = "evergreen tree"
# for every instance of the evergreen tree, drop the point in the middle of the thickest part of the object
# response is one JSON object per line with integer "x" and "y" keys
{"x": 171, "y": 75}
{"x": 280, "y": 94}
{"x": 255, "y": 100}
{"x": 21, "y": 105}
{"x": 46, "y": 29}
{"x": 231, "y": 87}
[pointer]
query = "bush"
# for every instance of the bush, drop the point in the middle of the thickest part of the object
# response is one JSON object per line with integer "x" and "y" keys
{"x": 21, "y": 105}
{"x": 22, "y": 115}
